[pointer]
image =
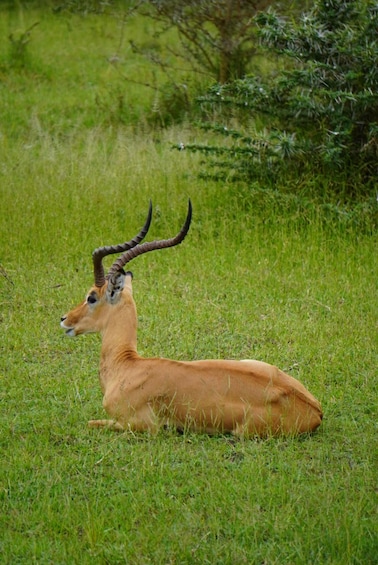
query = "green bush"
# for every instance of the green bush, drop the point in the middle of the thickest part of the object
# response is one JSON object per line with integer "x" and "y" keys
{"x": 320, "y": 114}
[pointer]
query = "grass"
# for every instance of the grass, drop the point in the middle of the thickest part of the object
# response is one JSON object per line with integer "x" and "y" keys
{"x": 252, "y": 279}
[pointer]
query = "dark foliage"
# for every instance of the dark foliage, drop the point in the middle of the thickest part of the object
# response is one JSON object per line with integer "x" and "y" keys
{"x": 319, "y": 115}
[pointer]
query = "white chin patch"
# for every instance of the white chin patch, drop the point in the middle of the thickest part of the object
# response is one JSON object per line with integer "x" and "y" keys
{"x": 69, "y": 331}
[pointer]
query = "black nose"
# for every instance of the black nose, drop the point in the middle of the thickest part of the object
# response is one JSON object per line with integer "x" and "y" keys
{"x": 63, "y": 318}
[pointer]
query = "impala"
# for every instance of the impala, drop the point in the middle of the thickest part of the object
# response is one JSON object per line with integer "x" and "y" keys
{"x": 213, "y": 396}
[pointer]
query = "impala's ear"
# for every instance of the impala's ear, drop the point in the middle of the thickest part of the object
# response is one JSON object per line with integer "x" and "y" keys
{"x": 116, "y": 285}
{"x": 128, "y": 281}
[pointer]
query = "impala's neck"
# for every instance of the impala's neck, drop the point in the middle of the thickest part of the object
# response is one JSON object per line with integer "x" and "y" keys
{"x": 119, "y": 335}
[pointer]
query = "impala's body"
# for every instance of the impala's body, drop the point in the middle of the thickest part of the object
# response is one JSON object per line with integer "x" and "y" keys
{"x": 242, "y": 397}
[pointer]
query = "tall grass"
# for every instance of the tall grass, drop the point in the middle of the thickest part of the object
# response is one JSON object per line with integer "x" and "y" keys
{"x": 252, "y": 279}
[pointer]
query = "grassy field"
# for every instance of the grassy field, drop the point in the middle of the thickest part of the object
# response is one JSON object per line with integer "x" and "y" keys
{"x": 253, "y": 279}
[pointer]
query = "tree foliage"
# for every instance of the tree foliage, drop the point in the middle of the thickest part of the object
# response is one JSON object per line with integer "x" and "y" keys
{"x": 320, "y": 112}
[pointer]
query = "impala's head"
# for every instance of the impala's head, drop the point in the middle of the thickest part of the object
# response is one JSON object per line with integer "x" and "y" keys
{"x": 92, "y": 315}
{"x": 109, "y": 291}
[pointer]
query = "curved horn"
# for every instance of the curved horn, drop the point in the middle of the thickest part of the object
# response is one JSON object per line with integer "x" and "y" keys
{"x": 101, "y": 252}
{"x": 151, "y": 246}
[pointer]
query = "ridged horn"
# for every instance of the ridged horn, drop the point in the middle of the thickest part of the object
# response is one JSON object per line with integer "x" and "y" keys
{"x": 101, "y": 252}
{"x": 151, "y": 246}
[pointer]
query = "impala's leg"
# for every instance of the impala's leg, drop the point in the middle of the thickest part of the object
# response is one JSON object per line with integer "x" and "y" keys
{"x": 143, "y": 421}
{"x": 110, "y": 424}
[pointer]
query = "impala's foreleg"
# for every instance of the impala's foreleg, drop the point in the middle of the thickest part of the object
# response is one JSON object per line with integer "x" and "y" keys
{"x": 109, "y": 424}
{"x": 113, "y": 425}
{"x": 142, "y": 419}
{"x": 133, "y": 426}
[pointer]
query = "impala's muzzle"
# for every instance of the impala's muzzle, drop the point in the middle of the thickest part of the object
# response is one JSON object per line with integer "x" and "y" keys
{"x": 69, "y": 330}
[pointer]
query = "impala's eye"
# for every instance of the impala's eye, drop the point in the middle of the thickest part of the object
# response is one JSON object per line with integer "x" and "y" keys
{"x": 92, "y": 298}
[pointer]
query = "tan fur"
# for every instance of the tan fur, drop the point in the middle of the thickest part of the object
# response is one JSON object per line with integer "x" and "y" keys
{"x": 242, "y": 397}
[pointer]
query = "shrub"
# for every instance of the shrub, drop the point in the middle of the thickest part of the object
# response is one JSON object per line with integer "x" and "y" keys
{"x": 319, "y": 114}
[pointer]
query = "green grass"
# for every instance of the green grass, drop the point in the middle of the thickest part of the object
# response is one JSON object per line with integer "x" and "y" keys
{"x": 252, "y": 279}
{"x": 89, "y": 57}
